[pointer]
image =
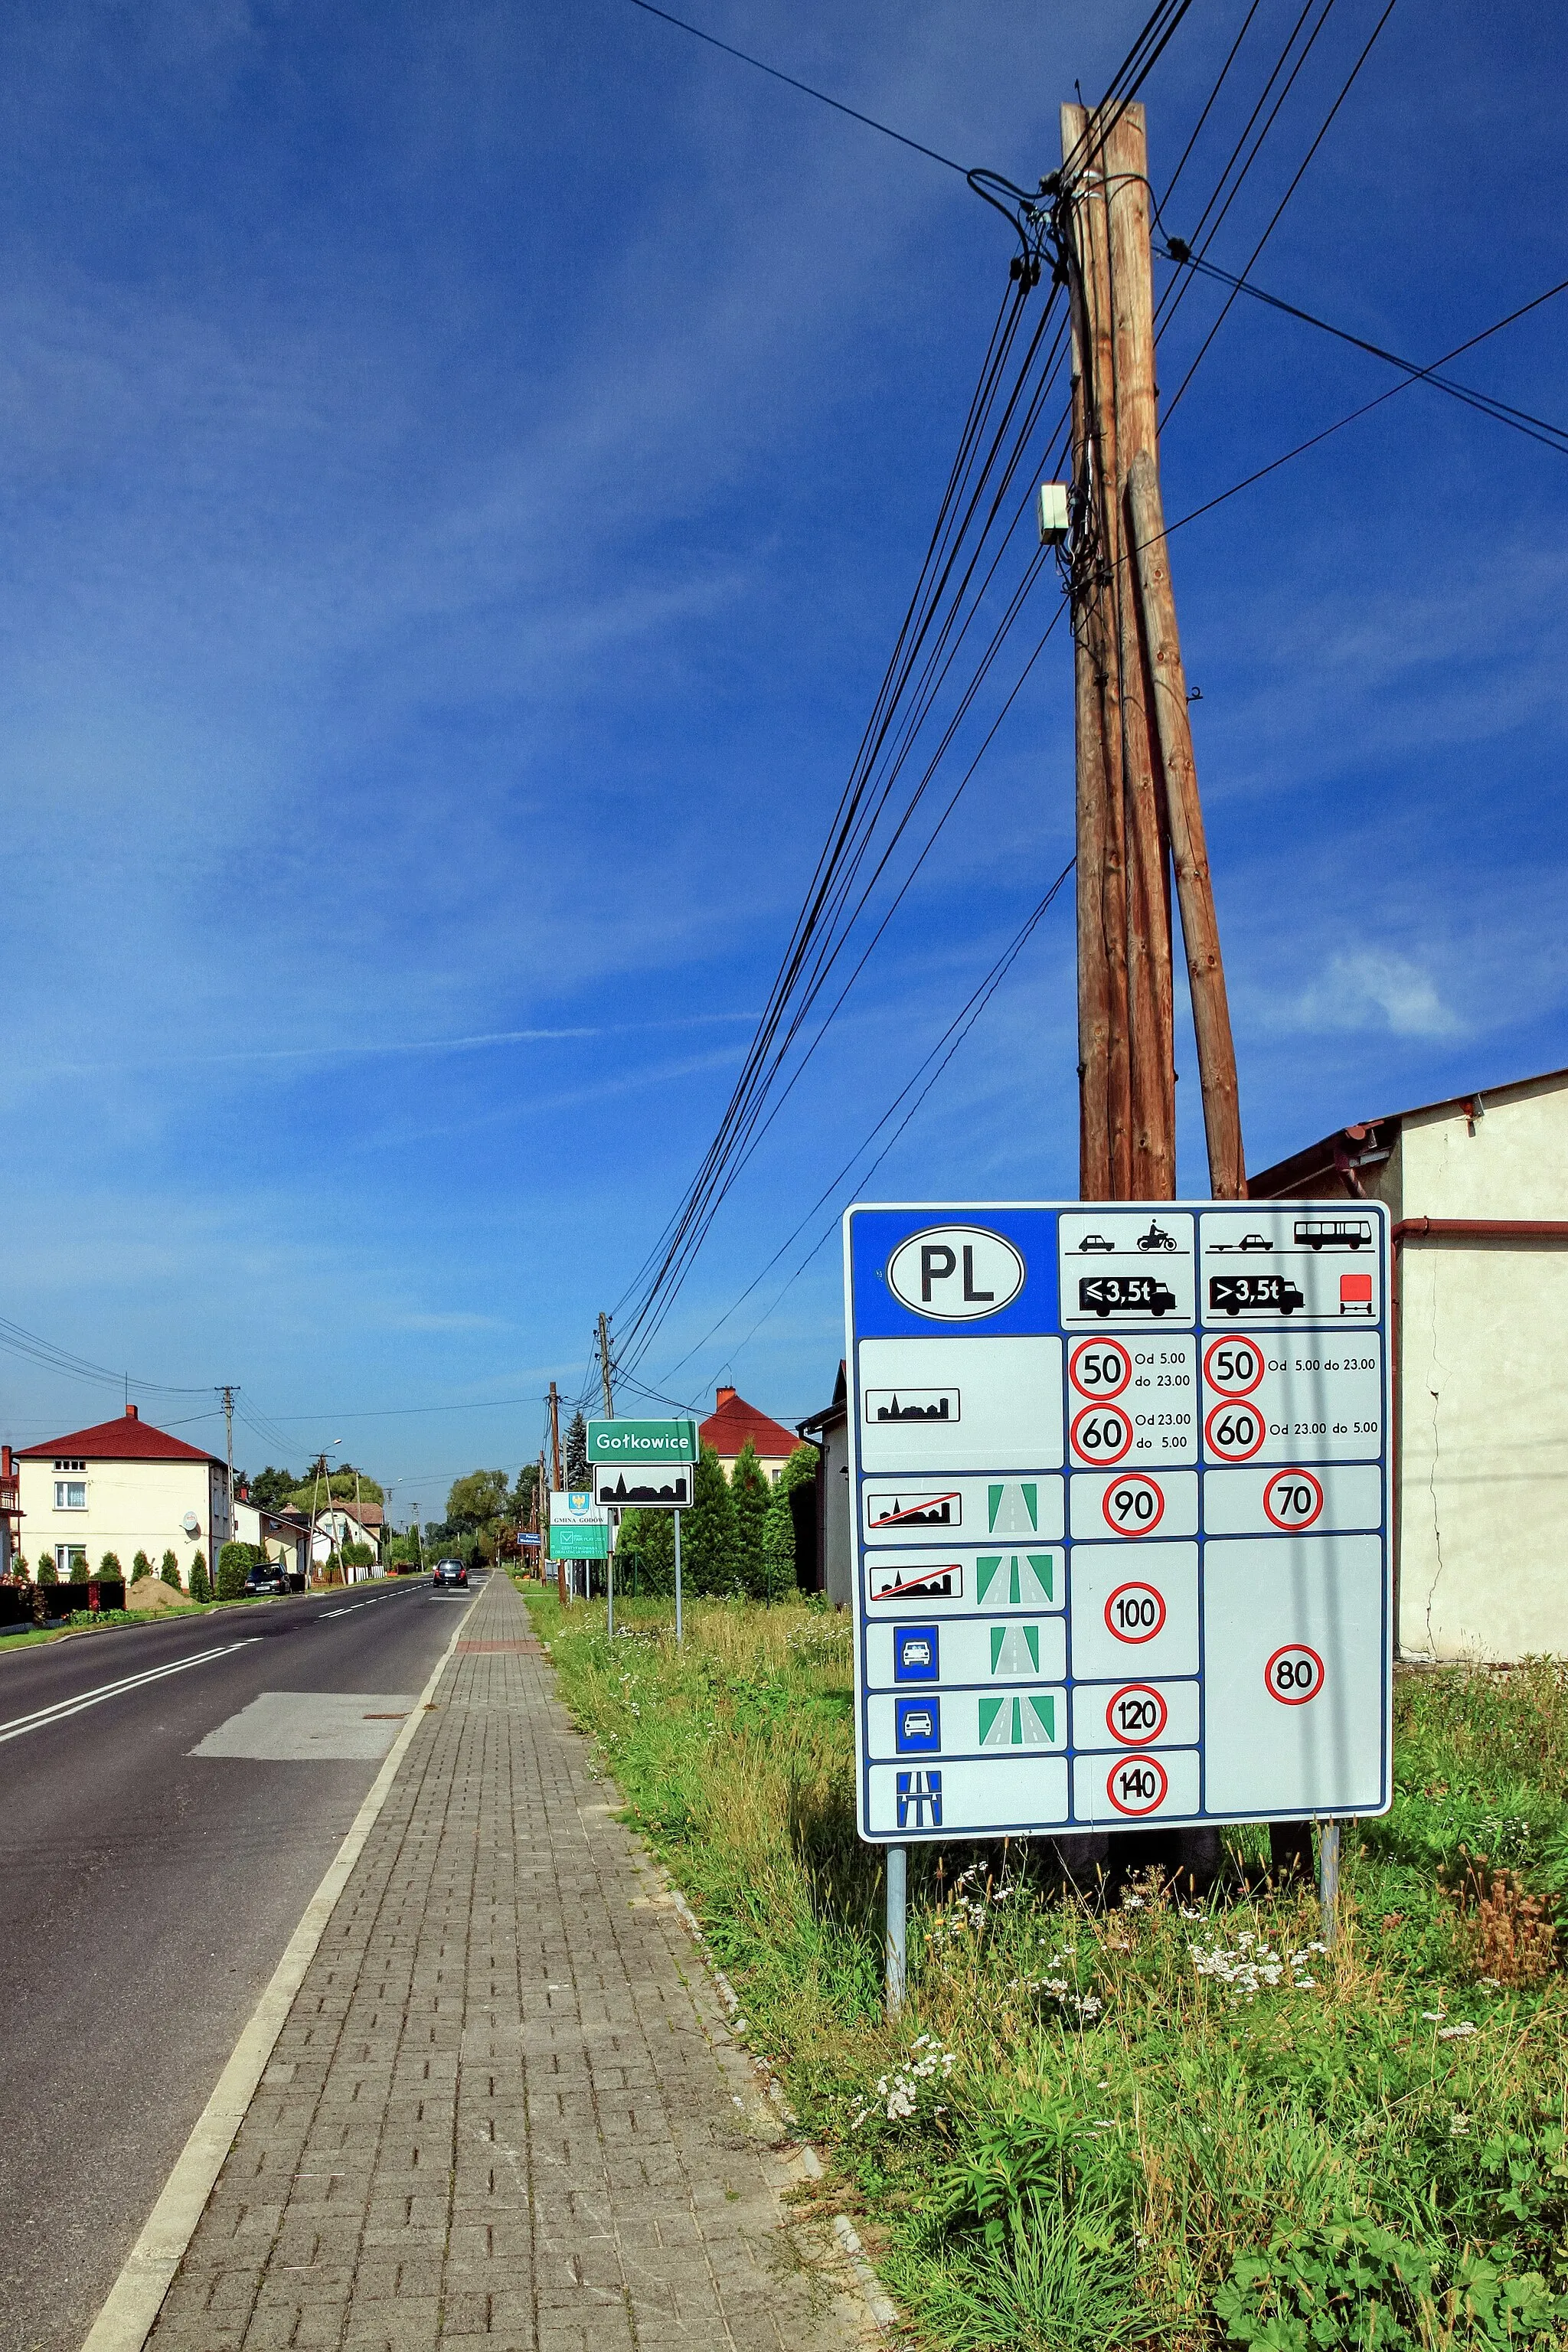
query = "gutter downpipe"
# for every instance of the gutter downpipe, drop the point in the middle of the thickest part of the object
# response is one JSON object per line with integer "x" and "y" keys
{"x": 1457, "y": 1229}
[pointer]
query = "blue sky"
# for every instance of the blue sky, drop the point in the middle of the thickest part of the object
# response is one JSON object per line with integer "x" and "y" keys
{"x": 462, "y": 468}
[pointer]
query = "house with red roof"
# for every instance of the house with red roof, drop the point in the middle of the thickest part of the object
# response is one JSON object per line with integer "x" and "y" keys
{"x": 122, "y": 1486}
{"x": 732, "y": 1421}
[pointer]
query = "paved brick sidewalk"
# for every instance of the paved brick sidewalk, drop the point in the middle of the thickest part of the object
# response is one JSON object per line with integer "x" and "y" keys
{"x": 504, "y": 2109}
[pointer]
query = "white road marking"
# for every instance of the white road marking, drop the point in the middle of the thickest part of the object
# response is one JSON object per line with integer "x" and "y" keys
{"x": 58, "y": 1712}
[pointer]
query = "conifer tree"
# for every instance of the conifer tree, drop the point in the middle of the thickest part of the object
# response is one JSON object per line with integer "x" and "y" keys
{"x": 170, "y": 1572}
{"x": 47, "y": 1573}
{"x": 708, "y": 1562}
{"x": 200, "y": 1588}
{"x": 139, "y": 1567}
{"x": 749, "y": 1485}
{"x": 108, "y": 1566}
{"x": 577, "y": 1478}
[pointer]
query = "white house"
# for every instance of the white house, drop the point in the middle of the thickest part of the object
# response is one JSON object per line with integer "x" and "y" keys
{"x": 338, "y": 1523}
{"x": 281, "y": 1537}
{"x": 122, "y": 1486}
{"x": 1477, "y": 1189}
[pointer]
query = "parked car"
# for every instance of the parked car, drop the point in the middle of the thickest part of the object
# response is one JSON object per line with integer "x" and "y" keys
{"x": 448, "y": 1575}
{"x": 267, "y": 1577}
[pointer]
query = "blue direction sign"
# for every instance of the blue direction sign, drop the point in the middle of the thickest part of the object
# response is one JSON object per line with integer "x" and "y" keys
{"x": 1120, "y": 1499}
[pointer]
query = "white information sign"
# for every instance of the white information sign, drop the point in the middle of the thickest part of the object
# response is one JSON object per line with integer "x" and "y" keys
{"x": 1119, "y": 1501}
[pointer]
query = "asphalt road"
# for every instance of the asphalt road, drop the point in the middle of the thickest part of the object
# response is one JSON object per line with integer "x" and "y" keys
{"x": 146, "y": 1895}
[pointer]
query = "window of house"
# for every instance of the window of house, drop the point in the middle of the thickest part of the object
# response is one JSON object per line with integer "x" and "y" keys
{"x": 71, "y": 1466}
{"x": 70, "y": 1494}
{"x": 71, "y": 1561}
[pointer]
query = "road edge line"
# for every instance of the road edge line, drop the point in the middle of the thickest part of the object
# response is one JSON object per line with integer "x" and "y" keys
{"x": 135, "y": 2300}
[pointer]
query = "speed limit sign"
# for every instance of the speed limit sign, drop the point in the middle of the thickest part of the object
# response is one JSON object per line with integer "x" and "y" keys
{"x": 1294, "y": 1675}
{"x": 1136, "y": 1714}
{"x": 1293, "y": 1499}
{"x": 1139, "y": 1785}
{"x": 1100, "y": 1369}
{"x": 1134, "y": 1503}
{"x": 1232, "y": 1432}
{"x": 1101, "y": 1434}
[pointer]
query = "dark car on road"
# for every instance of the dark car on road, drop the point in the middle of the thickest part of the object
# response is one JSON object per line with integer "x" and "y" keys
{"x": 267, "y": 1577}
{"x": 449, "y": 1576}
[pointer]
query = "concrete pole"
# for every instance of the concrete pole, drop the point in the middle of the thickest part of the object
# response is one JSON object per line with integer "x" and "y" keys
{"x": 896, "y": 1878}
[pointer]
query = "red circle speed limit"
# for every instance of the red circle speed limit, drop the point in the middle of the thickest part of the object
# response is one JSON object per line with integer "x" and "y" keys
{"x": 1137, "y": 1785}
{"x": 1100, "y": 1369}
{"x": 1103, "y": 1433}
{"x": 1232, "y": 1432}
{"x": 1234, "y": 1366}
{"x": 1293, "y": 1498}
{"x": 1294, "y": 1675}
{"x": 1134, "y": 1505}
{"x": 1136, "y": 1712}
{"x": 1135, "y": 1612}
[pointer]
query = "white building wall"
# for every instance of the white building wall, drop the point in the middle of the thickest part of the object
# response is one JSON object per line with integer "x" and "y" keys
{"x": 130, "y": 1506}
{"x": 837, "y": 1545}
{"x": 1483, "y": 1441}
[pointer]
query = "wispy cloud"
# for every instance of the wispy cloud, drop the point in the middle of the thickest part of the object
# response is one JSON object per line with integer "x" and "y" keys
{"x": 1369, "y": 988}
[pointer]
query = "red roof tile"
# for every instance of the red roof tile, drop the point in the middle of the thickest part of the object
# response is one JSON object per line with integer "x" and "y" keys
{"x": 125, "y": 1439}
{"x": 727, "y": 1430}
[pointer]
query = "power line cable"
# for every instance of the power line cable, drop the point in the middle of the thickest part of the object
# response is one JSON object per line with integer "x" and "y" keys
{"x": 1365, "y": 409}
{"x": 953, "y": 1037}
{"x": 1274, "y": 218}
{"x": 1538, "y": 428}
{"x": 804, "y": 87}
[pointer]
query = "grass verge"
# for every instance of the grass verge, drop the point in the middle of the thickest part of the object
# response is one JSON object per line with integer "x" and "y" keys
{"x": 1138, "y": 2120}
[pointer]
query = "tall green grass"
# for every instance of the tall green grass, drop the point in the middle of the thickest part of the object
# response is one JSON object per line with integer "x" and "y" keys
{"x": 1137, "y": 2120}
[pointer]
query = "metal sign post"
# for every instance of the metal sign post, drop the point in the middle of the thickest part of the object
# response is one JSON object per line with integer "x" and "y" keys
{"x": 1119, "y": 1482}
{"x": 1328, "y": 1879}
{"x": 898, "y": 1927}
{"x": 678, "y": 1631}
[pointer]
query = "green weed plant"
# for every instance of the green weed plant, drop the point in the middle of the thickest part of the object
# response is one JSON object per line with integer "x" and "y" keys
{"x": 1120, "y": 2117}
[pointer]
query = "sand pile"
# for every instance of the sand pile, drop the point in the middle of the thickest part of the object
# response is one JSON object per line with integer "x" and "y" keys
{"x": 152, "y": 1592}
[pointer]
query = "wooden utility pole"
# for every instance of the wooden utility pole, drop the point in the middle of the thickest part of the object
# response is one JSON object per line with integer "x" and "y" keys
{"x": 1135, "y": 800}
{"x": 1189, "y": 852}
{"x": 605, "y": 1366}
{"x": 556, "y": 1460}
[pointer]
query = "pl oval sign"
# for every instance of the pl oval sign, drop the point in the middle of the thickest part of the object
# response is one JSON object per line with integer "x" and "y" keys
{"x": 955, "y": 1273}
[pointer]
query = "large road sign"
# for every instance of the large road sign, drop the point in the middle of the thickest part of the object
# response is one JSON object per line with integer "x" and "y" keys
{"x": 641, "y": 1445}
{"x": 643, "y": 1489}
{"x": 1120, "y": 1485}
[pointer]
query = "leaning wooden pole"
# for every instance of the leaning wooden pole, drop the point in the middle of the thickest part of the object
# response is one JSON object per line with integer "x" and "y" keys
{"x": 1194, "y": 890}
{"x": 1151, "y": 1058}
